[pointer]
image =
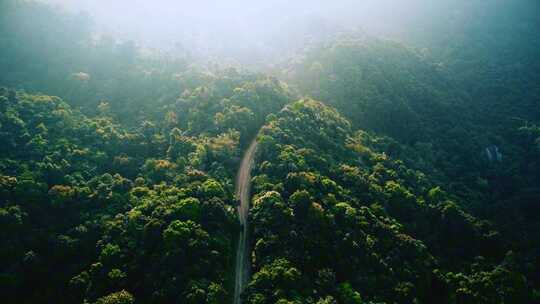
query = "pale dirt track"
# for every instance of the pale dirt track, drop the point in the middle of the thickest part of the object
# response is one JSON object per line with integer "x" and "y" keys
{"x": 243, "y": 183}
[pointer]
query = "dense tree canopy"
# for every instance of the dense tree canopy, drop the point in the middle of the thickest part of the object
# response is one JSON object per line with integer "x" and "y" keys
{"x": 355, "y": 216}
{"x": 385, "y": 171}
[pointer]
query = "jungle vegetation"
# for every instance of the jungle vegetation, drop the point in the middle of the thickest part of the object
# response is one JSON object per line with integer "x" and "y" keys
{"x": 388, "y": 170}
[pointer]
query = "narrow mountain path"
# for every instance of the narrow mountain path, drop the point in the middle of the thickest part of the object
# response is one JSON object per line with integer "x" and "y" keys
{"x": 243, "y": 183}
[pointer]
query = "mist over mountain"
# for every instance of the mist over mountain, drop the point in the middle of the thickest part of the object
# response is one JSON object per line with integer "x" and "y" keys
{"x": 248, "y": 30}
{"x": 318, "y": 152}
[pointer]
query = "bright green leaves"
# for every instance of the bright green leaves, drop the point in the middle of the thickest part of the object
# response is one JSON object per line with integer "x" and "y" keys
{"x": 436, "y": 195}
{"x": 180, "y": 146}
{"x": 159, "y": 170}
{"x": 277, "y": 281}
{"x": 185, "y": 209}
{"x": 211, "y": 188}
{"x": 500, "y": 284}
{"x": 111, "y": 254}
{"x": 300, "y": 201}
{"x": 205, "y": 292}
{"x": 400, "y": 202}
{"x": 238, "y": 118}
{"x": 347, "y": 295}
{"x": 185, "y": 236}
{"x": 121, "y": 297}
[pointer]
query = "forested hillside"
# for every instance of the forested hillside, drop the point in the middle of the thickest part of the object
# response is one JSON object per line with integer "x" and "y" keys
{"x": 335, "y": 218}
{"x": 399, "y": 169}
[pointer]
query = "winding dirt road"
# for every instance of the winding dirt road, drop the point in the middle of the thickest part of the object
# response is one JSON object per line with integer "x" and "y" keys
{"x": 243, "y": 182}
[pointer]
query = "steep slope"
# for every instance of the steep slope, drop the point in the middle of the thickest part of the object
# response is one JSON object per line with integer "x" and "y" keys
{"x": 147, "y": 210}
{"x": 335, "y": 220}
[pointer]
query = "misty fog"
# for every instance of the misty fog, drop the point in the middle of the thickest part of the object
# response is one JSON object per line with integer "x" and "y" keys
{"x": 279, "y": 151}
{"x": 256, "y": 29}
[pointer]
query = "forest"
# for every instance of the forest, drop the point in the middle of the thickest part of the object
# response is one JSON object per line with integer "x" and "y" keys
{"x": 397, "y": 155}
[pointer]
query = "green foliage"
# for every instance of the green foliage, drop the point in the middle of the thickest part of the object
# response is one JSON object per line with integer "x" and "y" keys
{"x": 276, "y": 283}
{"x": 118, "y": 194}
{"x": 347, "y": 295}
{"x": 381, "y": 192}
{"x": 121, "y": 297}
{"x": 185, "y": 235}
{"x": 353, "y": 220}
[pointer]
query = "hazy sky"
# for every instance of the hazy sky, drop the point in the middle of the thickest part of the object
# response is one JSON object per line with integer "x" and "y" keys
{"x": 251, "y": 27}
{"x": 232, "y": 18}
